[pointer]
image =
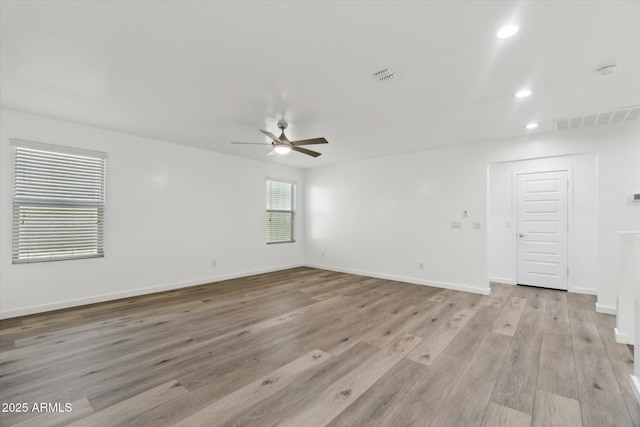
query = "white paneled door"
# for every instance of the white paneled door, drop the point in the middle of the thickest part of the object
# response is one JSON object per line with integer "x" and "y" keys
{"x": 542, "y": 229}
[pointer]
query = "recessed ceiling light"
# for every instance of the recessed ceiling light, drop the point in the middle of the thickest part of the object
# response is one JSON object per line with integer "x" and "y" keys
{"x": 531, "y": 126}
{"x": 523, "y": 93}
{"x": 507, "y": 31}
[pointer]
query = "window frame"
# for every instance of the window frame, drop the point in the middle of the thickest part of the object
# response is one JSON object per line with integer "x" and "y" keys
{"x": 57, "y": 202}
{"x": 293, "y": 185}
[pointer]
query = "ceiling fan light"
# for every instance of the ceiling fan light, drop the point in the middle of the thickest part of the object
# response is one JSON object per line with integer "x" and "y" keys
{"x": 282, "y": 149}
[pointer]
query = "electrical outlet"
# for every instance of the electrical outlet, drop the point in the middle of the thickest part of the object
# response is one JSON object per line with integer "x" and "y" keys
{"x": 456, "y": 224}
{"x": 421, "y": 265}
{"x": 322, "y": 254}
{"x": 476, "y": 226}
{"x": 214, "y": 263}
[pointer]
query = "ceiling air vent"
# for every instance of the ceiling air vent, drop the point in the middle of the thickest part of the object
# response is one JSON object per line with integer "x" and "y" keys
{"x": 616, "y": 116}
{"x": 385, "y": 75}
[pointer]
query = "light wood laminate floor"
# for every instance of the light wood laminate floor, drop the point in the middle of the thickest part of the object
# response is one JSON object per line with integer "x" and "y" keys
{"x": 307, "y": 347}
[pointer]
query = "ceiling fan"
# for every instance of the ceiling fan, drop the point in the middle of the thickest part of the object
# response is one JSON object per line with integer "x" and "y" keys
{"x": 282, "y": 145}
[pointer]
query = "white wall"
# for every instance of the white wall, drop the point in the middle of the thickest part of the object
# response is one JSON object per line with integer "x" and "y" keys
{"x": 583, "y": 218}
{"x": 171, "y": 210}
{"x": 384, "y": 216}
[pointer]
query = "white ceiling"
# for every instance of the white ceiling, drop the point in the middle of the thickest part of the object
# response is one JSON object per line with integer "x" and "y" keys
{"x": 207, "y": 73}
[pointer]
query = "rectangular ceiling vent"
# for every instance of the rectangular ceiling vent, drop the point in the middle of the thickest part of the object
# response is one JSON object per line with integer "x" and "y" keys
{"x": 621, "y": 115}
{"x": 385, "y": 75}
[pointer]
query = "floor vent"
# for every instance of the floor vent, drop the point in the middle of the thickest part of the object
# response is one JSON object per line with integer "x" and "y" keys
{"x": 616, "y": 116}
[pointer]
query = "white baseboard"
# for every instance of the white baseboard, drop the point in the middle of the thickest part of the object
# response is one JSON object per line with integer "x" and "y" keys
{"x": 586, "y": 291}
{"x": 635, "y": 386}
{"x": 136, "y": 292}
{"x": 502, "y": 280}
{"x": 412, "y": 280}
{"x": 621, "y": 337}
{"x": 605, "y": 309}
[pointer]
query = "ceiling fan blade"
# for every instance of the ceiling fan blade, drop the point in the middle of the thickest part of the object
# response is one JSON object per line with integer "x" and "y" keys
{"x": 270, "y": 135}
{"x": 310, "y": 141}
{"x": 252, "y": 143}
{"x": 305, "y": 151}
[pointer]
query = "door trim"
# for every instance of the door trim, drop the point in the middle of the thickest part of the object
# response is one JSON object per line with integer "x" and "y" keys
{"x": 514, "y": 218}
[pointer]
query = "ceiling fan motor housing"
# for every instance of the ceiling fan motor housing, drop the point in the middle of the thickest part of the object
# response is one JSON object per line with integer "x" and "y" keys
{"x": 283, "y": 145}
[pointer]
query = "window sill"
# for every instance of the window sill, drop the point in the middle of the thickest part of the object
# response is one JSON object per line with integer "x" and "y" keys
{"x": 284, "y": 241}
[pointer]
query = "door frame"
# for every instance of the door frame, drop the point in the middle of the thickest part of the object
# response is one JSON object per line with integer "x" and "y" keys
{"x": 514, "y": 218}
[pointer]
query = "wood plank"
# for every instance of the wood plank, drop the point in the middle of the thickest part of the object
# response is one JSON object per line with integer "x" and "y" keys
{"x": 442, "y": 295}
{"x": 444, "y": 332}
{"x": 225, "y": 410}
{"x": 288, "y": 402}
{"x": 516, "y": 385}
{"x": 75, "y": 383}
{"x": 382, "y": 397}
{"x": 557, "y": 372}
{"x": 193, "y": 365}
{"x": 71, "y": 358}
{"x": 84, "y": 332}
{"x": 13, "y": 322}
{"x": 468, "y": 400}
{"x": 499, "y": 295}
{"x": 498, "y": 415}
{"x": 351, "y": 330}
{"x": 552, "y": 410}
{"x": 115, "y": 415}
{"x": 443, "y": 312}
{"x": 136, "y": 372}
{"x": 580, "y": 306}
{"x": 435, "y": 382}
{"x": 592, "y": 364}
{"x": 509, "y": 317}
{"x": 393, "y": 325}
{"x": 339, "y": 395}
{"x": 226, "y": 320}
{"x": 335, "y": 336}
{"x": 235, "y": 375}
{"x": 338, "y": 286}
{"x": 469, "y": 338}
{"x": 557, "y": 311}
{"x": 601, "y": 408}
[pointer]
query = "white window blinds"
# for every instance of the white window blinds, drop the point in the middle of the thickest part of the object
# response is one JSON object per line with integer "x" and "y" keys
{"x": 281, "y": 203}
{"x": 58, "y": 205}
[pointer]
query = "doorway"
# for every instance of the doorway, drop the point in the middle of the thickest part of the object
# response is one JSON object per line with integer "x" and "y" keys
{"x": 542, "y": 228}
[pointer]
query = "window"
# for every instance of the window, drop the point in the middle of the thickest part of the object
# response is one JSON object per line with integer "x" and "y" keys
{"x": 281, "y": 210}
{"x": 58, "y": 204}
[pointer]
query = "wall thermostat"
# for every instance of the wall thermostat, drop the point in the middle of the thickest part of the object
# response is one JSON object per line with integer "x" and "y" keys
{"x": 636, "y": 197}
